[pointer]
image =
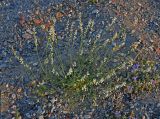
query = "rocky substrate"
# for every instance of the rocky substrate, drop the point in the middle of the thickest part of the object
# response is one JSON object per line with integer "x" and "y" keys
{"x": 16, "y": 97}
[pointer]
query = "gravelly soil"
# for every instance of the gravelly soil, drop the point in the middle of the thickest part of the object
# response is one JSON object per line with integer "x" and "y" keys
{"x": 15, "y": 94}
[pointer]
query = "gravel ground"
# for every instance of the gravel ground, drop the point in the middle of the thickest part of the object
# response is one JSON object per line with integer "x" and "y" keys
{"x": 16, "y": 97}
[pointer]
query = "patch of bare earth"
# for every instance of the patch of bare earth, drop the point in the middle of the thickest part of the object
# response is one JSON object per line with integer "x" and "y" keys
{"x": 9, "y": 94}
{"x": 136, "y": 15}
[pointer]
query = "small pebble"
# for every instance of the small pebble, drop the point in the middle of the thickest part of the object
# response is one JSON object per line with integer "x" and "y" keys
{"x": 53, "y": 100}
{"x": 53, "y": 108}
{"x": 35, "y": 64}
{"x": 158, "y": 105}
{"x": 87, "y": 116}
{"x": 95, "y": 11}
{"x": 13, "y": 112}
{"x": 14, "y": 96}
{"x": 40, "y": 117}
{"x": 28, "y": 115}
{"x": 49, "y": 104}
